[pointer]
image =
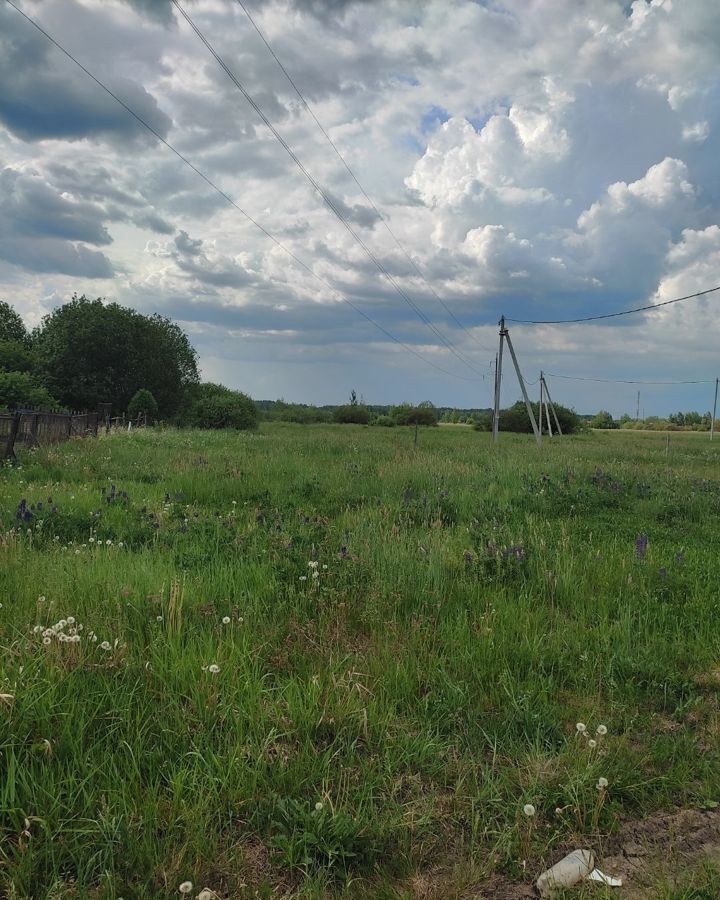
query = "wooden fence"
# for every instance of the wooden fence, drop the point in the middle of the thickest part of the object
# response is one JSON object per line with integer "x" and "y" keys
{"x": 34, "y": 428}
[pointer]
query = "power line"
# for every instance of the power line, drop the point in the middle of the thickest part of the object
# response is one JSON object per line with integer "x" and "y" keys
{"x": 625, "y": 312}
{"x": 621, "y": 380}
{"x": 322, "y": 193}
{"x": 229, "y": 199}
{"x": 362, "y": 190}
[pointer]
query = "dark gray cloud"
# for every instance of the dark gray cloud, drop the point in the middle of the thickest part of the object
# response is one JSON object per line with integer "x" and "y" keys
{"x": 45, "y": 96}
{"x": 45, "y": 231}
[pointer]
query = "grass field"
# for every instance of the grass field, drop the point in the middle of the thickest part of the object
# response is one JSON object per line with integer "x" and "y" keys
{"x": 319, "y": 662}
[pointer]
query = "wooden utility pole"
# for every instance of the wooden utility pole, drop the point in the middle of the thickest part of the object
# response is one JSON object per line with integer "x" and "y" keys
{"x": 528, "y": 404}
{"x": 712, "y": 421}
{"x": 552, "y": 407}
{"x": 498, "y": 378}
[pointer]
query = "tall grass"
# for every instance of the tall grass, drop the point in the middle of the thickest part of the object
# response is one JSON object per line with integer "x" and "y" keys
{"x": 328, "y": 663}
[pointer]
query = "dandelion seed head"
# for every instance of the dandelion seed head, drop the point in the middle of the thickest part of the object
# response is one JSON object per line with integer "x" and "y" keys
{"x": 105, "y": 645}
{"x": 602, "y": 783}
{"x": 529, "y": 810}
{"x": 71, "y": 620}
{"x": 226, "y": 620}
{"x": 186, "y": 887}
{"x": 213, "y": 669}
{"x": 581, "y": 728}
{"x": 592, "y": 743}
{"x": 318, "y": 806}
{"x": 46, "y": 641}
{"x": 602, "y": 729}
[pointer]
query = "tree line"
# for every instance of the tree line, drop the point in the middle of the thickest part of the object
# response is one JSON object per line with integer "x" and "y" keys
{"x": 88, "y": 354}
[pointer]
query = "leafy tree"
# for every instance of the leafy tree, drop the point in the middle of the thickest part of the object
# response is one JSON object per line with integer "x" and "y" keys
{"x": 352, "y": 414}
{"x": 211, "y": 405}
{"x": 22, "y": 390}
{"x": 422, "y": 414}
{"x": 12, "y": 327}
{"x": 143, "y": 402}
{"x": 16, "y": 357}
{"x": 603, "y": 419}
{"x": 353, "y": 398}
{"x": 93, "y": 352}
{"x": 516, "y": 419}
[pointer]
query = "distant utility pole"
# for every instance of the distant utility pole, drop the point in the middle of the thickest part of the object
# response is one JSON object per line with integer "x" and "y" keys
{"x": 548, "y": 400}
{"x": 637, "y": 411}
{"x": 712, "y": 421}
{"x": 505, "y": 336}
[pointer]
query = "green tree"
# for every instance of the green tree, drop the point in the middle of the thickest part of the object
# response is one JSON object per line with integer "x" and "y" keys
{"x": 22, "y": 390}
{"x": 92, "y": 352}
{"x": 16, "y": 357}
{"x": 12, "y": 327}
{"x": 603, "y": 419}
{"x": 352, "y": 414}
{"x": 211, "y": 405}
{"x": 143, "y": 402}
{"x": 422, "y": 414}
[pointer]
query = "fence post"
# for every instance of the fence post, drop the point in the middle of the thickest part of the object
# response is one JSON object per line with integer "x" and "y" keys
{"x": 35, "y": 418}
{"x": 10, "y": 442}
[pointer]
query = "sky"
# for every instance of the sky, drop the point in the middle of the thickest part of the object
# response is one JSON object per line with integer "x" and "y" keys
{"x": 538, "y": 159}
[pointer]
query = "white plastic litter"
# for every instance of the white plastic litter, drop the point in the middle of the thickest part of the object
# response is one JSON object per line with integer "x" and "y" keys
{"x": 572, "y": 869}
{"x": 602, "y": 878}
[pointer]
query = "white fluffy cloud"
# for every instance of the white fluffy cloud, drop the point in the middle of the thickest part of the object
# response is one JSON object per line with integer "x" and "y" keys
{"x": 541, "y": 160}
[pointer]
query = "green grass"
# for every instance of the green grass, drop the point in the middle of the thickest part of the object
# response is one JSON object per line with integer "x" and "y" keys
{"x": 471, "y": 605}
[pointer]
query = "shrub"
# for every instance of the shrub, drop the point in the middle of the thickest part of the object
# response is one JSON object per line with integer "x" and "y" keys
{"x": 352, "y": 414}
{"x": 215, "y": 406}
{"x": 423, "y": 414}
{"x": 143, "y": 402}
{"x": 21, "y": 389}
{"x": 385, "y": 421}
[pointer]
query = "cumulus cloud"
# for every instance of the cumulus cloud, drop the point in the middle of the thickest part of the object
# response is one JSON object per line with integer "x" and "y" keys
{"x": 547, "y": 158}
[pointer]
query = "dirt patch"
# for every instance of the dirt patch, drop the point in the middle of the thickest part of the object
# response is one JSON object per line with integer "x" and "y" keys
{"x": 663, "y": 847}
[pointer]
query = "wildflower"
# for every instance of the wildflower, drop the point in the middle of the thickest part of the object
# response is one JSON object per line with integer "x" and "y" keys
{"x": 324, "y": 568}
{"x": 529, "y": 810}
{"x": 303, "y": 578}
{"x": 158, "y": 618}
{"x": 641, "y": 544}
{"x": 92, "y": 540}
{"x": 581, "y": 728}
{"x": 602, "y": 729}
{"x": 120, "y": 544}
{"x": 41, "y": 599}
{"x": 105, "y": 645}
{"x": 602, "y": 784}
{"x": 318, "y": 806}
{"x": 313, "y": 564}
{"x": 46, "y": 641}
{"x": 226, "y": 620}
{"x": 592, "y": 743}
{"x": 315, "y": 573}
{"x": 37, "y": 629}
{"x": 75, "y": 638}
{"x": 185, "y": 887}
{"x": 108, "y": 542}
{"x": 71, "y": 620}
{"x": 240, "y": 619}
{"x": 62, "y": 623}
{"x": 213, "y": 669}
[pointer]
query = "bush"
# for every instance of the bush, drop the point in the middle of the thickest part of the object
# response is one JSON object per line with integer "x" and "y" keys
{"x": 20, "y": 390}
{"x": 516, "y": 419}
{"x": 385, "y": 421}
{"x": 423, "y": 414}
{"x": 215, "y": 406}
{"x": 143, "y": 402}
{"x": 352, "y": 414}
{"x": 603, "y": 419}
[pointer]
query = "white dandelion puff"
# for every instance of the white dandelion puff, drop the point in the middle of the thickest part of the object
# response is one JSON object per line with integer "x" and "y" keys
{"x": 105, "y": 645}
{"x": 602, "y": 729}
{"x": 186, "y": 887}
{"x": 592, "y": 743}
{"x": 602, "y": 784}
{"x": 529, "y": 810}
{"x": 581, "y": 728}
{"x": 318, "y": 806}
{"x": 226, "y": 620}
{"x": 213, "y": 669}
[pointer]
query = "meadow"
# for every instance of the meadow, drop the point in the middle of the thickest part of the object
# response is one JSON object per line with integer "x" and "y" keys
{"x": 320, "y": 662}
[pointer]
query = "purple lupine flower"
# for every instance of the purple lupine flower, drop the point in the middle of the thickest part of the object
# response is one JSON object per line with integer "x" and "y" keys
{"x": 641, "y": 545}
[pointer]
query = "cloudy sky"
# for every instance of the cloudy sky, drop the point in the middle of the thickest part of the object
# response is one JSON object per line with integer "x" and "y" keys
{"x": 537, "y": 158}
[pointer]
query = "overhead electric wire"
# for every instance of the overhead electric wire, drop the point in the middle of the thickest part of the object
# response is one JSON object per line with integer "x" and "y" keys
{"x": 621, "y": 380}
{"x": 624, "y": 312}
{"x": 322, "y": 193}
{"x": 352, "y": 174}
{"x": 229, "y": 199}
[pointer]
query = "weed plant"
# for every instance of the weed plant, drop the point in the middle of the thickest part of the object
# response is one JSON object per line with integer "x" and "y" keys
{"x": 321, "y": 662}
